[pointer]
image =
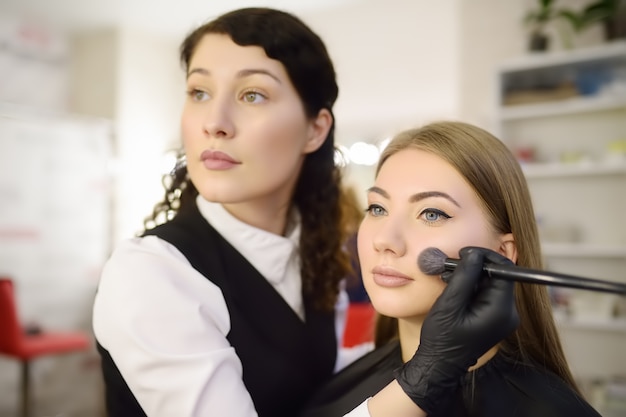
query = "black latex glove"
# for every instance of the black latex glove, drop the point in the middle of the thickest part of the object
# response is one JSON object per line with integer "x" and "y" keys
{"x": 470, "y": 317}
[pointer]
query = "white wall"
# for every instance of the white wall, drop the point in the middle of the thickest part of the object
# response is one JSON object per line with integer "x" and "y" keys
{"x": 397, "y": 66}
{"x": 93, "y": 69}
{"x": 151, "y": 93}
{"x": 134, "y": 79}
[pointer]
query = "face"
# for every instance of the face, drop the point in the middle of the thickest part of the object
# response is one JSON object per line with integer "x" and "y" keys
{"x": 244, "y": 129}
{"x": 418, "y": 201}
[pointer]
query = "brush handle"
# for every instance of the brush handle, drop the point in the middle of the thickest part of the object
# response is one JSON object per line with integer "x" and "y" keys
{"x": 535, "y": 276}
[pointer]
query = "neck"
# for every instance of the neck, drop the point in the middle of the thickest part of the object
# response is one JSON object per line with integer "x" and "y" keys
{"x": 270, "y": 217}
{"x": 409, "y": 331}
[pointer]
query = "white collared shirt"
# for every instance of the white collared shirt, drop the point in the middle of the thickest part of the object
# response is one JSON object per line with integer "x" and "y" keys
{"x": 165, "y": 325}
{"x": 274, "y": 256}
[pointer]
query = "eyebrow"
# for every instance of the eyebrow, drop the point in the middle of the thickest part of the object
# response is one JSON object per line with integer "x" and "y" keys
{"x": 241, "y": 74}
{"x": 418, "y": 196}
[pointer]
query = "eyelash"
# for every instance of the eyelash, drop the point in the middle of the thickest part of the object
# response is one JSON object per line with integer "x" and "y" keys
{"x": 192, "y": 92}
{"x": 255, "y": 92}
{"x": 371, "y": 207}
{"x": 443, "y": 215}
{"x": 437, "y": 212}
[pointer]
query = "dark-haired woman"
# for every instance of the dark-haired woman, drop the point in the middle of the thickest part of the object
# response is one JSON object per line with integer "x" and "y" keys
{"x": 229, "y": 303}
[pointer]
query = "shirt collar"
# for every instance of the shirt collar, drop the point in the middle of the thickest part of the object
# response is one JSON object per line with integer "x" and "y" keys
{"x": 267, "y": 252}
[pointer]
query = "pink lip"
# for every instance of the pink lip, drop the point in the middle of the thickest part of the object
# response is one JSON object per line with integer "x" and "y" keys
{"x": 216, "y": 160}
{"x": 385, "y": 276}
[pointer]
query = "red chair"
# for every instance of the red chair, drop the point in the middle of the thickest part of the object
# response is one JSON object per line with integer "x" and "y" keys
{"x": 359, "y": 325}
{"x": 14, "y": 342}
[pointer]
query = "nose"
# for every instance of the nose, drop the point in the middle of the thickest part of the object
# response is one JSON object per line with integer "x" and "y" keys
{"x": 218, "y": 120}
{"x": 389, "y": 238}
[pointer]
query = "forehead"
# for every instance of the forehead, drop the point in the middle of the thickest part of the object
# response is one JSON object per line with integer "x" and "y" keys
{"x": 414, "y": 170}
{"x": 220, "y": 51}
{"x": 416, "y": 163}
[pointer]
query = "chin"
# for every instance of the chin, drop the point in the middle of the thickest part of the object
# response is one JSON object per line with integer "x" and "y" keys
{"x": 223, "y": 195}
{"x": 392, "y": 307}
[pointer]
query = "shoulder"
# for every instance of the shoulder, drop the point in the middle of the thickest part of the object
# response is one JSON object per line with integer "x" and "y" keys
{"x": 132, "y": 261}
{"x": 149, "y": 276}
{"x": 148, "y": 264}
{"x": 522, "y": 389}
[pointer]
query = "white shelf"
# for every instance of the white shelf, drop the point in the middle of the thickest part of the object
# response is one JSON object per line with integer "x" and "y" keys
{"x": 612, "y": 50}
{"x": 564, "y": 107}
{"x": 587, "y": 124}
{"x": 551, "y": 170}
{"x": 577, "y": 250}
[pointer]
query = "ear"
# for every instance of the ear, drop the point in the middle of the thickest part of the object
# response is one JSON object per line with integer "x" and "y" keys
{"x": 508, "y": 247}
{"x": 318, "y": 131}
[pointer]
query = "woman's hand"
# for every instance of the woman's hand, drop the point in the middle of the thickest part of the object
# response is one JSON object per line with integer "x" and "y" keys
{"x": 471, "y": 316}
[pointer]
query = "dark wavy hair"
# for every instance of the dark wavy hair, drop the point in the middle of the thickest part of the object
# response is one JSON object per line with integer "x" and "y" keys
{"x": 287, "y": 39}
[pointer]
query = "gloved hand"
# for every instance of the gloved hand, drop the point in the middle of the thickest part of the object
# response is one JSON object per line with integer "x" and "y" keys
{"x": 471, "y": 316}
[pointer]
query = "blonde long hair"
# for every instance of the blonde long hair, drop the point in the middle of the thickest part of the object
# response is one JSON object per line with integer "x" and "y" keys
{"x": 496, "y": 177}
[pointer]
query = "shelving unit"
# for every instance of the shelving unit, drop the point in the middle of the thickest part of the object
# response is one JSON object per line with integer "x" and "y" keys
{"x": 547, "y": 170}
{"x": 606, "y": 52}
{"x": 583, "y": 201}
{"x": 563, "y": 107}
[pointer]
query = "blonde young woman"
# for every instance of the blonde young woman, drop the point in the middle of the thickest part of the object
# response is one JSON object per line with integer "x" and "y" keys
{"x": 454, "y": 186}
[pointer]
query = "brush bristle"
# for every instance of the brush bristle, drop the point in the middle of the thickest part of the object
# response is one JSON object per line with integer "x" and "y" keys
{"x": 432, "y": 261}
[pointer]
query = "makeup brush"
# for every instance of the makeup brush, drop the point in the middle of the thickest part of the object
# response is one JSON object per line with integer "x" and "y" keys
{"x": 433, "y": 261}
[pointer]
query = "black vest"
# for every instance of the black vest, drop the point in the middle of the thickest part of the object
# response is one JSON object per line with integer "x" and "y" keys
{"x": 284, "y": 360}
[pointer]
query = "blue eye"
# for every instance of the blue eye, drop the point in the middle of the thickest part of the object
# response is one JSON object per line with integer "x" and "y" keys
{"x": 431, "y": 215}
{"x": 375, "y": 210}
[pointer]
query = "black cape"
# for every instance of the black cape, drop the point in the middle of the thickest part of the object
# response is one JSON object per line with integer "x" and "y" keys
{"x": 501, "y": 387}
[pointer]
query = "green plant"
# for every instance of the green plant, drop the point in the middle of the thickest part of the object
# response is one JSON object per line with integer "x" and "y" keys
{"x": 596, "y": 12}
{"x": 538, "y": 18}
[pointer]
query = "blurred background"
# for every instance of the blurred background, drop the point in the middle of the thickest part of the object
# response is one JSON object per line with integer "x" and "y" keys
{"x": 90, "y": 99}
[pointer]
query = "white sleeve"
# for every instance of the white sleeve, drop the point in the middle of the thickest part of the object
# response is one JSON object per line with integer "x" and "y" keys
{"x": 165, "y": 326}
{"x": 360, "y": 411}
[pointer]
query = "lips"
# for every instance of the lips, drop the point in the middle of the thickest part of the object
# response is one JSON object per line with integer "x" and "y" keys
{"x": 385, "y": 276}
{"x": 217, "y": 160}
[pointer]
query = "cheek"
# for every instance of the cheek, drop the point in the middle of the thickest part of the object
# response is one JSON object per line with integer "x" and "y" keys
{"x": 365, "y": 244}
{"x": 361, "y": 239}
{"x": 188, "y": 127}
{"x": 273, "y": 158}
{"x": 286, "y": 123}
{"x": 436, "y": 288}
{"x": 281, "y": 147}
{"x": 476, "y": 232}
{"x": 425, "y": 295}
